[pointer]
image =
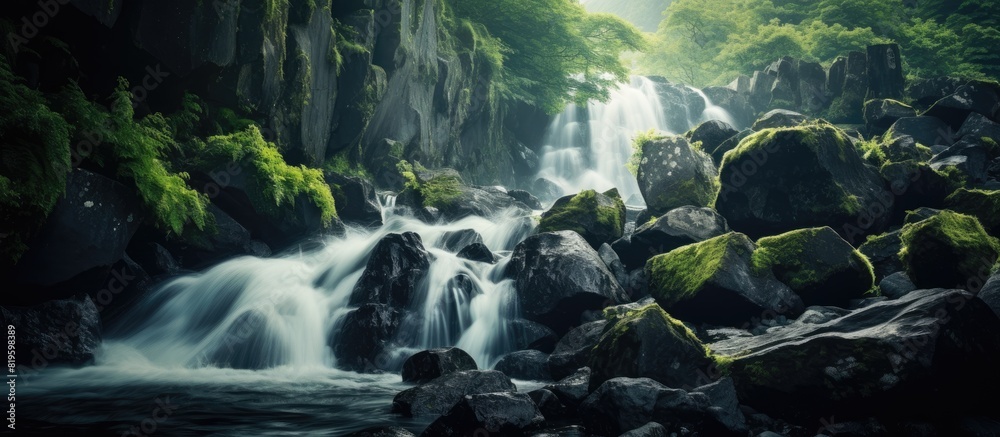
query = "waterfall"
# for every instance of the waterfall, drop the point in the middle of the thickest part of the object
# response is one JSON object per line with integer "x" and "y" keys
{"x": 589, "y": 147}
{"x": 263, "y": 313}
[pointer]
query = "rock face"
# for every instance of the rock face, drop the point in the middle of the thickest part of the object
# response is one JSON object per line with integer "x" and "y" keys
{"x": 598, "y": 217}
{"x": 716, "y": 282}
{"x": 527, "y": 364}
{"x": 818, "y": 265}
{"x": 56, "y": 332}
{"x": 558, "y": 276}
{"x": 438, "y": 396}
{"x": 916, "y": 353}
{"x": 678, "y": 227}
{"x": 786, "y": 179}
{"x": 647, "y": 342}
{"x": 395, "y": 268}
{"x": 672, "y": 174}
{"x": 948, "y": 250}
{"x": 489, "y": 414}
{"x": 430, "y": 364}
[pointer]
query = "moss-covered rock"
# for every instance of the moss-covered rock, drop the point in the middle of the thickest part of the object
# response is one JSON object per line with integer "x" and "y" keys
{"x": 598, "y": 217}
{"x": 648, "y": 342}
{"x": 679, "y": 227}
{"x": 981, "y": 204}
{"x": 444, "y": 191}
{"x": 949, "y": 250}
{"x": 714, "y": 282}
{"x": 779, "y": 180}
{"x": 817, "y": 264}
{"x": 883, "y": 253}
{"x": 880, "y": 114}
{"x": 672, "y": 173}
{"x": 915, "y": 184}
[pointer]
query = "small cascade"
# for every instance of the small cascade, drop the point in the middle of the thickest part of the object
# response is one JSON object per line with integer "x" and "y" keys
{"x": 713, "y": 112}
{"x": 252, "y": 313}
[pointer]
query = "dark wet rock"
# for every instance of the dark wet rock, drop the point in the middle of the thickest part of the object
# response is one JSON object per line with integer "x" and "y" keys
{"x": 546, "y": 190}
{"x": 711, "y": 134}
{"x": 614, "y": 264}
{"x": 558, "y": 276}
{"x": 883, "y": 252}
{"x": 383, "y": 431}
{"x": 396, "y": 266}
{"x": 672, "y": 174}
{"x": 925, "y": 130}
{"x": 573, "y": 389}
{"x": 529, "y": 365}
{"x": 478, "y": 252}
{"x": 990, "y": 293}
{"x": 719, "y": 153}
{"x": 651, "y": 429}
{"x": 881, "y": 114}
{"x": 678, "y": 227}
{"x": 598, "y": 217}
{"x": 575, "y": 349}
{"x": 969, "y": 156}
{"x": 489, "y": 414}
{"x": 437, "y": 397}
{"x": 362, "y": 341}
{"x": 717, "y": 282}
{"x": 974, "y": 97}
{"x": 917, "y": 353}
{"x": 949, "y": 250}
{"x": 549, "y": 404}
{"x": 356, "y": 199}
{"x": 896, "y": 285}
{"x": 455, "y": 241}
{"x": 56, "y": 332}
{"x": 779, "y": 118}
{"x": 927, "y": 91}
{"x": 430, "y": 364}
{"x": 725, "y": 406}
{"x": 979, "y": 126}
{"x": 526, "y": 334}
{"x": 526, "y": 198}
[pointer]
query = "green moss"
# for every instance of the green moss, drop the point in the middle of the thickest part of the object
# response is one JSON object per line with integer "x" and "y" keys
{"x": 947, "y": 250}
{"x": 342, "y": 165}
{"x": 584, "y": 207}
{"x": 873, "y": 152}
{"x": 437, "y": 192}
{"x": 620, "y": 323}
{"x": 638, "y": 143}
{"x": 984, "y": 205}
{"x": 683, "y": 272}
{"x": 274, "y": 185}
{"x": 35, "y": 146}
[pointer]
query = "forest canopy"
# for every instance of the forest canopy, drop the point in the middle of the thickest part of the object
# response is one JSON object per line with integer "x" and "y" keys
{"x": 709, "y": 42}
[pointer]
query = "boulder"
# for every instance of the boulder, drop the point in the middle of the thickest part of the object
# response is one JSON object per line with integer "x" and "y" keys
{"x": 725, "y": 406}
{"x": 974, "y": 97}
{"x": 711, "y": 134}
{"x": 623, "y": 404}
{"x": 914, "y": 184}
{"x": 558, "y": 276}
{"x": 981, "y": 204}
{"x": 455, "y": 241}
{"x": 883, "y": 252}
{"x": 445, "y": 191}
{"x": 970, "y": 157}
{"x": 549, "y": 405}
{"x": 394, "y": 270}
{"x": 678, "y": 227}
{"x": 896, "y": 285}
{"x": 86, "y": 233}
{"x": 918, "y": 353}
{"x": 990, "y": 293}
{"x": 647, "y": 342}
{"x": 56, "y": 332}
{"x": 926, "y": 131}
{"x": 903, "y": 148}
{"x": 614, "y": 264}
{"x": 730, "y": 144}
{"x": 489, "y": 414}
{"x": 779, "y": 118}
{"x": 478, "y": 252}
{"x": 716, "y": 282}
{"x": 437, "y": 397}
{"x": 528, "y": 364}
{"x": 949, "y": 250}
{"x": 672, "y": 173}
{"x": 526, "y": 334}
{"x": 881, "y": 114}
{"x": 430, "y": 364}
{"x": 573, "y": 389}
{"x": 363, "y": 340}
{"x": 356, "y": 199}
{"x": 885, "y": 72}
{"x": 925, "y": 92}
{"x": 526, "y": 198}
{"x": 598, "y": 217}
{"x": 651, "y": 429}
{"x": 575, "y": 348}
{"x": 199, "y": 250}
{"x": 818, "y": 265}
{"x": 779, "y": 180}
{"x": 785, "y": 92}
{"x": 978, "y": 126}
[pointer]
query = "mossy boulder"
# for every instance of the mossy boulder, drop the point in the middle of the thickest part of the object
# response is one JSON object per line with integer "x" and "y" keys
{"x": 671, "y": 173}
{"x": 711, "y": 134}
{"x": 915, "y": 184}
{"x": 679, "y": 227}
{"x": 918, "y": 353}
{"x": 817, "y": 264}
{"x": 981, "y": 204}
{"x": 715, "y": 282}
{"x": 880, "y": 114}
{"x": 949, "y": 250}
{"x": 444, "y": 191}
{"x": 648, "y": 342}
{"x": 598, "y": 217}
{"x": 779, "y": 180}
{"x": 779, "y": 118}
{"x": 883, "y": 253}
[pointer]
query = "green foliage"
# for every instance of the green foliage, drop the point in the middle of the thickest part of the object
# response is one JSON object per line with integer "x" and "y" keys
{"x": 273, "y": 185}
{"x": 948, "y": 250}
{"x": 638, "y": 143}
{"x": 701, "y": 42}
{"x": 342, "y": 165}
{"x": 555, "y": 50}
{"x": 139, "y": 149}
{"x": 35, "y": 151}
{"x": 873, "y": 152}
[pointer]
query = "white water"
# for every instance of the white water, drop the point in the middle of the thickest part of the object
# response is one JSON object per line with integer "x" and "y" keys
{"x": 285, "y": 311}
{"x": 593, "y": 153}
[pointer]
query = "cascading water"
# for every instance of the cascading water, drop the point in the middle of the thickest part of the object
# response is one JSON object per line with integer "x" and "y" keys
{"x": 589, "y": 148}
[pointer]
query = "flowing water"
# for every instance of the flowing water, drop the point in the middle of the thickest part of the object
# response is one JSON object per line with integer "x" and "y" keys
{"x": 244, "y": 348}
